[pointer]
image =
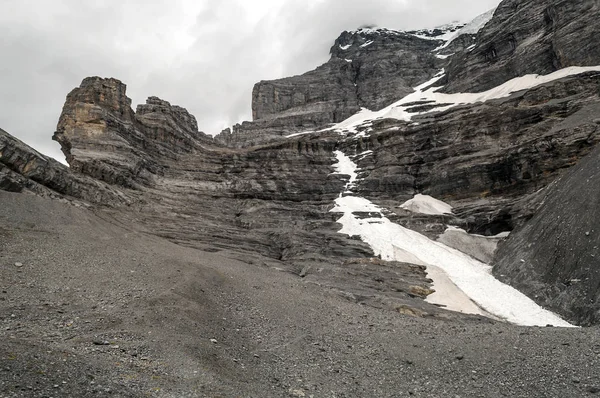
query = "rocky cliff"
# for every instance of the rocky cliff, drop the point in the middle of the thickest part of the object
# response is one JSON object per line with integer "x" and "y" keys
{"x": 554, "y": 256}
{"x": 368, "y": 68}
{"x": 264, "y": 193}
{"x": 22, "y": 169}
{"x": 528, "y": 37}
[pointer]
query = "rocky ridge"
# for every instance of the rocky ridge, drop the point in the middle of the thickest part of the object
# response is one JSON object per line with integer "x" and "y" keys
{"x": 214, "y": 267}
{"x": 368, "y": 68}
{"x": 527, "y": 37}
{"x": 489, "y": 160}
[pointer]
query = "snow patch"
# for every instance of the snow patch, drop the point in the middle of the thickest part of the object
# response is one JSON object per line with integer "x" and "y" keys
{"x": 394, "y": 242}
{"x": 367, "y": 44}
{"x": 344, "y": 48}
{"x": 425, "y": 204}
{"x": 426, "y": 92}
{"x": 501, "y": 235}
{"x": 299, "y": 134}
{"x": 471, "y": 28}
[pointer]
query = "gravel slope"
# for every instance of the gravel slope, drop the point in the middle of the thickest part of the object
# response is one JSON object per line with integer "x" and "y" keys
{"x": 101, "y": 309}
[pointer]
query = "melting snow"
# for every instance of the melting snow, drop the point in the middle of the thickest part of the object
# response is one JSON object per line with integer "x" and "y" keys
{"x": 367, "y": 43}
{"x": 394, "y": 242}
{"x": 425, "y": 204}
{"x": 299, "y": 134}
{"x": 424, "y": 92}
{"x": 347, "y": 46}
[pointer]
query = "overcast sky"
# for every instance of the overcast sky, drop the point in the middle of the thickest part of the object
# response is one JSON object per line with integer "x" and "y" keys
{"x": 200, "y": 54}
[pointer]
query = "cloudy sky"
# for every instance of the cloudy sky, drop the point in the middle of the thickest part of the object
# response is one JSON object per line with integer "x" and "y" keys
{"x": 203, "y": 55}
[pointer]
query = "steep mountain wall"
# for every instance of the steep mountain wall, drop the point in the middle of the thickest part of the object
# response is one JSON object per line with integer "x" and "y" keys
{"x": 369, "y": 68}
{"x": 484, "y": 158}
{"x": 554, "y": 257}
{"x": 266, "y": 198}
{"x": 528, "y": 37}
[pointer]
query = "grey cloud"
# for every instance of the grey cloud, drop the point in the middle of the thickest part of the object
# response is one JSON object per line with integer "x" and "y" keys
{"x": 48, "y": 51}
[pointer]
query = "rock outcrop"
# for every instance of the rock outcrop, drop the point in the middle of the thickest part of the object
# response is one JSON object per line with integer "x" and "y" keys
{"x": 369, "y": 68}
{"x": 23, "y": 169}
{"x": 553, "y": 258}
{"x": 101, "y": 136}
{"x": 264, "y": 195}
{"x": 528, "y": 37}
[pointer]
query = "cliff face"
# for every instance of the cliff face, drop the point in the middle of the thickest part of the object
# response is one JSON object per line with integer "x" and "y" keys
{"x": 267, "y": 205}
{"x": 258, "y": 194}
{"x": 369, "y": 68}
{"x": 528, "y": 37}
{"x": 554, "y": 257}
{"x": 485, "y": 158}
{"x": 24, "y": 169}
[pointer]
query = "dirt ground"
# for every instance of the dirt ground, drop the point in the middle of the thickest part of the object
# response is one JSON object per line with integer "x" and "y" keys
{"x": 93, "y": 308}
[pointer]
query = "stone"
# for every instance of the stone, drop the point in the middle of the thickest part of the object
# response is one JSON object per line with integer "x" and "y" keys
{"x": 376, "y": 77}
{"x": 525, "y": 37}
{"x": 265, "y": 196}
{"x": 22, "y": 169}
{"x": 560, "y": 271}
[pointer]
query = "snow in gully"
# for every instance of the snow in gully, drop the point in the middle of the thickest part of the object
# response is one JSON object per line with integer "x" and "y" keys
{"x": 396, "y": 243}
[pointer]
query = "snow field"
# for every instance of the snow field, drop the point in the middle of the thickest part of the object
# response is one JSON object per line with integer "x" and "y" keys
{"x": 426, "y": 92}
{"x": 396, "y": 243}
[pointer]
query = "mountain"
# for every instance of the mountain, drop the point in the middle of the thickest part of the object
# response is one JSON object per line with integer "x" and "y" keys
{"x": 335, "y": 229}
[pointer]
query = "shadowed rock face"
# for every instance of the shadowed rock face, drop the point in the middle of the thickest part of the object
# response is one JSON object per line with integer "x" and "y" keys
{"x": 554, "y": 257}
{"x": 523, "y": 37}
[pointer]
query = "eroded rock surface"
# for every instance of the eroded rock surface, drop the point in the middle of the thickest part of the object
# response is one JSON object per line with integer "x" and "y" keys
{"x": 554, "y": 257}
{"x": 23, "y": 169}
{"x": 265, "y": 198}
{"x": 528, "y": 37}
{"x": 368, "y": 68}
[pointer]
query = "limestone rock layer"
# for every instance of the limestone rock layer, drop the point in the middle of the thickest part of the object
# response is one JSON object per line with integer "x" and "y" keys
{"x": 265, "y": 198}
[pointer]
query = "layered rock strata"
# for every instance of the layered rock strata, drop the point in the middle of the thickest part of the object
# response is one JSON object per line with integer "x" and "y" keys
{"x": 23, "y": 169}
{"x": 553, "y": 258}
{"x": 368, "y": 68}
{"x": 265, "y": 199}
{"x": 528, "y": 37}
